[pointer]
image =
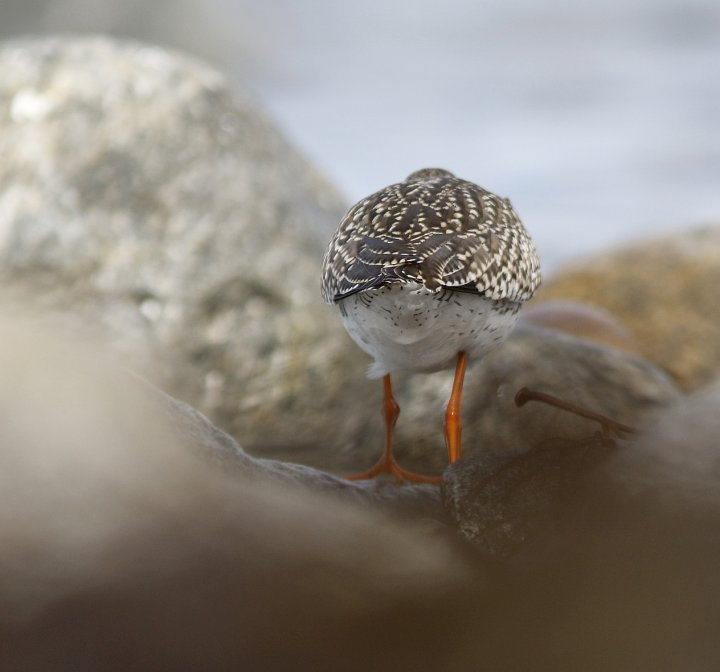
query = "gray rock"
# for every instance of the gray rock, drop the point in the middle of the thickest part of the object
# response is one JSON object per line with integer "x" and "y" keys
{"x": 539, "y": 457}
{"x": 601, "y": 379}
{"x": 561, "y": 489}
{"x": 675, "y": 458}
{"x": 502, "y": 501}
{"x": 615, "y": 548}
{"x": 218, "y": 448}
{"x": 148, "y": 197}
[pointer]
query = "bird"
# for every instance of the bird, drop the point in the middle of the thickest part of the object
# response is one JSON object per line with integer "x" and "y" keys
{"x": 428, "y": 273}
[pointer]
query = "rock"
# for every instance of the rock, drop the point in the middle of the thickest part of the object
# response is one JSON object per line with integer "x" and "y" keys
{"x": 581, "y": 320}
{"x": 147, "y": 196}
{"x": 664, "y": 292}
{"x": 675, "y": 456}
{"x": 220, "y": 449}
{"x": 639, "y": 545}
{"x": 502, "y": 501}
{"x": 605, "y": 380}
{"x": 517, "y": 494}
{"x": 121, "y": 549}
{"x": 618, "y": 552}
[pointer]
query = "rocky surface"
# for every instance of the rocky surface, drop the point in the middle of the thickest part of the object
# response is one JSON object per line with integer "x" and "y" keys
{"x": 220, "y": 449}
{"x": 120, "y": 549}
{"x": 148, "y": 198}
{"x": 506, "y": 503}
{"x": 602, "y": 379}
{"x": 664, "y": 292}
{"x": 156, "y": 202}
{"x": 613, "y": 548}
{"x": 112, "y": 529}
{"x": 503, "y": 502}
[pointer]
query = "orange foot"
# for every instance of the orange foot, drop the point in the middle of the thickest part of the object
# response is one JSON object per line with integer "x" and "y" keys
{"x": 385, "y": 466}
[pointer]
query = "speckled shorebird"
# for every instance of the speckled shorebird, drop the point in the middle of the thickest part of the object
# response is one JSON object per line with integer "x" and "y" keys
{"x": 428, "y": 272}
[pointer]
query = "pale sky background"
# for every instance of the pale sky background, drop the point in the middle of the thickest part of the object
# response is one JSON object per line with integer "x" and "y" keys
{"x": 600, "y": 121}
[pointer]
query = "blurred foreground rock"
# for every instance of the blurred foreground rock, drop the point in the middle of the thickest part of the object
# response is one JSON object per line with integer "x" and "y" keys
{"x": 614, "y": 548}
{"x": 134, "y": 534}
{"x": 665, "y": 291}
{"x": 638, "y": 552}
{"x": 121, "y": 549}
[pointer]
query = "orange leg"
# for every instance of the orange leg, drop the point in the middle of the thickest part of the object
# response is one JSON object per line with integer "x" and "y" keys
{"x": 453, "y": 419}
{"x": 386, "y": 464}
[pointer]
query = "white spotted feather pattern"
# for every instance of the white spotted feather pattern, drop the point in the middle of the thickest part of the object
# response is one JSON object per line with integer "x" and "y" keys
{"x": 437, "y": 230}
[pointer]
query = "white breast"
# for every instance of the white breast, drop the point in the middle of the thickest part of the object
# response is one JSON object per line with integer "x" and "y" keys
{"x": 406, "y": 327}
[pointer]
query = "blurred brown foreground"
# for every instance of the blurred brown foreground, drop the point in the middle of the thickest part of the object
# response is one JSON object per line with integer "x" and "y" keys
{"x": 122, "y": 549}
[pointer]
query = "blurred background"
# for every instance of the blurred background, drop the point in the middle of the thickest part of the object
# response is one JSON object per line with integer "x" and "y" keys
{"x": 601, "y": 121}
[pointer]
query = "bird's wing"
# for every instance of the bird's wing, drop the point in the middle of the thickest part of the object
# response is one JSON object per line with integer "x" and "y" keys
{"x": 454, "y": 235}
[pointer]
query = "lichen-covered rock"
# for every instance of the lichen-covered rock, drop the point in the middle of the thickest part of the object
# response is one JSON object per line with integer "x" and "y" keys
{"x": 665, "y": 291}
{"x": 144, "y": 194}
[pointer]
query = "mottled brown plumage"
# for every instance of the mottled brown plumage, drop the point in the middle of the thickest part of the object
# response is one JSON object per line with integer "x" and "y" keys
{"x": 437, "y": 230}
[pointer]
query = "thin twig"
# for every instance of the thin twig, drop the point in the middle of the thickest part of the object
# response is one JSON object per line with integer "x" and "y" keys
{"x": 525, "y": 394}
